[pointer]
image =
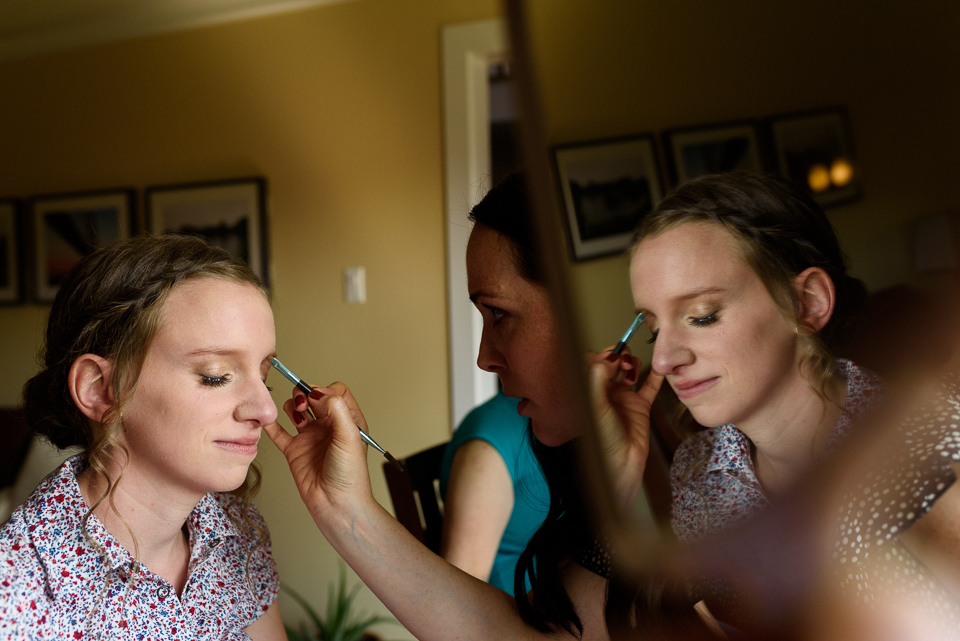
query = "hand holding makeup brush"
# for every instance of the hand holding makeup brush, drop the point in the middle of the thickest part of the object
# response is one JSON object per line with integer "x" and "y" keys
{"x": 623, "y": 417}
{"x": 326, "y": 456}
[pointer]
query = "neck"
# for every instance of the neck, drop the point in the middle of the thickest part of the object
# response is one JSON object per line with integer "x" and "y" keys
{"x": 145, "y": 518}
{"x": 787, "y": 448}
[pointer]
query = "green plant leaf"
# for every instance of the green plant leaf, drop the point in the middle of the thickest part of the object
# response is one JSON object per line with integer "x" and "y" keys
{"x": 306, "y": 606}
{"x": 342, "y": 623}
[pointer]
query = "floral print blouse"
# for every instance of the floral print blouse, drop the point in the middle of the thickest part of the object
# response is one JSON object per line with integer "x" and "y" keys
{"x": 714, "y": 487}
{"x": 57, "y": 582}
{"x": 712, "y": 478}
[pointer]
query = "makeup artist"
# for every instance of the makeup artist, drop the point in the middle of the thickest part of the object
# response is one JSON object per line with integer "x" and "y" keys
{"x": 431, "y": 597}
{"x": 494, "y": 494}
{"x": 157, "y": 349}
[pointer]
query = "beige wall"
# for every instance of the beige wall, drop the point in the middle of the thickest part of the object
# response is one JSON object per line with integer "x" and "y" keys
{"x": 340, "y": 109}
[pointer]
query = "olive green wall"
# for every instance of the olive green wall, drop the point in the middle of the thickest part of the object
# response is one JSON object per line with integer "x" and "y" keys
{"x": 339, "y": 108}
{"x": 622, "y": 68}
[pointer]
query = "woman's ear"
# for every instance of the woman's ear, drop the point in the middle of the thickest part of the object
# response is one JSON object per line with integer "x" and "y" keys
{"x": 816, "y": 297}
{"x": 91, "y": 387}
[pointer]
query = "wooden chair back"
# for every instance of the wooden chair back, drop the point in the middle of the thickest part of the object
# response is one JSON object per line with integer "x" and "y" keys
{"x": 416, "y": 495}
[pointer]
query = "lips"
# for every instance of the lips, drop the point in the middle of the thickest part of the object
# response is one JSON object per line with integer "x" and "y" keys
{"x": 246, "y": 446}
{"x": 690, "y": 388}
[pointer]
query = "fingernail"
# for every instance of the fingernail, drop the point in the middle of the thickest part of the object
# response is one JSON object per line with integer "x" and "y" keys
{"x": 298, "y": 417}
{"x": 300, "y": 399}
{"x": 633, "y": 375}
{"x": 316, "y": 395}
{"x": 613, "y": 357}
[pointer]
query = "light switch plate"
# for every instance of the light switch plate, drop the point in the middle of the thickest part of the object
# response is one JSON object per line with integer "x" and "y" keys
{"x": 355, "y": 285}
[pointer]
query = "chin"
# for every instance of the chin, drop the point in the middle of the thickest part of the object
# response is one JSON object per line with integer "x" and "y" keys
{"x": 553, "y": 437}
{"x": 231, "y": 482}
{"x": 709, "y": 419}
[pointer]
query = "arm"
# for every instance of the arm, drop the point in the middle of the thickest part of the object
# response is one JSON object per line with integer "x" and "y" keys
{"x": 430, "y": 597}
{"x": 477, "y": 508}
{"x": 269, "y": 627}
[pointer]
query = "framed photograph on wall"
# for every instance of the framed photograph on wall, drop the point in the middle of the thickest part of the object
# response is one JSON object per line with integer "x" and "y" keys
{"x": 814, "y": 149}
{"x": 229, "y": 213}
{"x": 67, "y": 227}
{"x": 606, "y": 187}
{"x": 11, "y": 261}
{"x": 695, "y": 151}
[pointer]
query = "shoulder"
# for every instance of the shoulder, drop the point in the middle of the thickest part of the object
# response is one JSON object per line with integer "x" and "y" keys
{"x": 21, "y": 579}
{"x": 693, "y": 454}
{"x": 495, "y": 419}
{"x": 712, "y": 483}
{"x": 245, "y": 557}
{"x": 495, "y": 422}
{"x": 864, "y": 388}
{"x": 240, "y": 512}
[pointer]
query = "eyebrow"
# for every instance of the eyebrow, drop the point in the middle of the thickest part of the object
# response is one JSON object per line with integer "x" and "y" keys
{"x": 221, "y": 351}
{"x": 697, "y": 293}
{"x": 480, "y": 294}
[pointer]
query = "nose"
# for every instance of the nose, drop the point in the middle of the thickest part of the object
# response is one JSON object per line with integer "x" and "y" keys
{"x": 670, "y": 352}
{"x": 490, "y": 357}
{"x": 256, "y": 406}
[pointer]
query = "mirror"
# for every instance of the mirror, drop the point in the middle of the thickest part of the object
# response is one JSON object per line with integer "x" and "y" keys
{"x": 609, "y": 70}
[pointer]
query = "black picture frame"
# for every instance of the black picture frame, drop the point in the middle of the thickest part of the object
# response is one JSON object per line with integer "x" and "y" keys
{"x": 606, "y": 187}
{"x": 713, "y": 148}
{"x": 814, "y": 149}
{"x": 12, "y": 290}
{"x": 230, "y": 213}
{"x": 66, "y": 227}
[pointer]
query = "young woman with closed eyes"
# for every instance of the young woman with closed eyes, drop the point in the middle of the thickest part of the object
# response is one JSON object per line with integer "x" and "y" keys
{"x": 747, "y": 292}
{"x": 157, "y": 351}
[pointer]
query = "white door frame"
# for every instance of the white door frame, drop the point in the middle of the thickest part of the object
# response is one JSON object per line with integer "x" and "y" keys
{"x": 468, "y": 51}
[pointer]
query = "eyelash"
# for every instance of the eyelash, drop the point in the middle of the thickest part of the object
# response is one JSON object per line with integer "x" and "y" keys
{"x": 497, "y": 314}
{"x": 696, "y": 321}
{"x": 215, "y": 381}
{"x": 220, "y": 381}
{"x": 703, "y": 321}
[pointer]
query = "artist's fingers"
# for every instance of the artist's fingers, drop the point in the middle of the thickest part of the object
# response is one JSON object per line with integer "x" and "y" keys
{"x": 300, "y": 398}
{"x": 279, "y": 436}
{"x": 334, "y": 412}
{"x": 616, "y": 364}
{"x": 297, "y": 417}
{"x": 651, "y": 386}
{"x": 340, "y": 389}
{"x": 606, "y": 354}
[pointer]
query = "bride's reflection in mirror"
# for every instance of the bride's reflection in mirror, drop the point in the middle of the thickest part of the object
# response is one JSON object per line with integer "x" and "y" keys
{"x": 613, "y": 70}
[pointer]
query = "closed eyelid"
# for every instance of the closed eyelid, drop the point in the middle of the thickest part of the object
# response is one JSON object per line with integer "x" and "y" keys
{"x": 215, "y": 381}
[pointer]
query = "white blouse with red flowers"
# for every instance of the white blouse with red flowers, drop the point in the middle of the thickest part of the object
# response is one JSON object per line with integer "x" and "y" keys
{"x": 56, "y": 584}
{"x": 712, "y": 475}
